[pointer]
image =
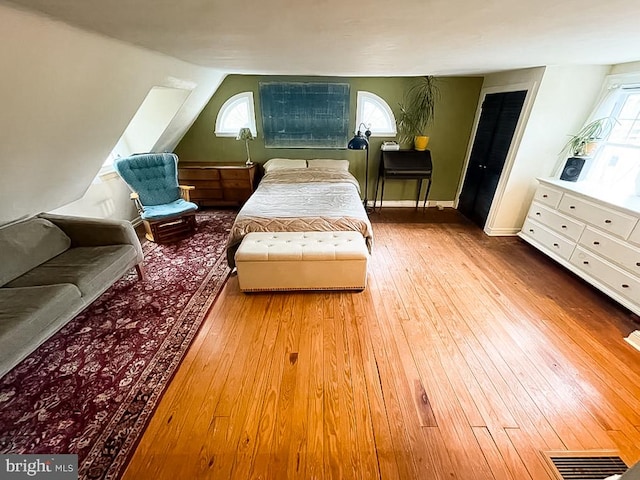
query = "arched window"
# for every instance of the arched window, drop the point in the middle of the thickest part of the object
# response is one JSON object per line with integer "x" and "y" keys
{"x": 375, "y": 113}
{"x": 236, "y": 113}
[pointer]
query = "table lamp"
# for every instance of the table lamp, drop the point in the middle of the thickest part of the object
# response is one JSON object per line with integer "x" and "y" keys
{"x": 246, "y": 135}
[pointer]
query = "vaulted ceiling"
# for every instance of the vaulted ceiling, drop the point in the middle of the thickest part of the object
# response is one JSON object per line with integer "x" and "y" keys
{"x": 374, "y": 38}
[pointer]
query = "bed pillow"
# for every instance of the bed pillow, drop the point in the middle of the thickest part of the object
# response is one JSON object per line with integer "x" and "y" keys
{"x": 329, "y": 164}
{"x": 283, "y": 163}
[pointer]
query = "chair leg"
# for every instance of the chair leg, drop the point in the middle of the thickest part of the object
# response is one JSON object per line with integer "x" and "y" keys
{"x": 148, "y": 228}
{"x": 142, "y": 276}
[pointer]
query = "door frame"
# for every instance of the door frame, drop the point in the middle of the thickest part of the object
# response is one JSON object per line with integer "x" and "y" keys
{"x": 531, "y": 89}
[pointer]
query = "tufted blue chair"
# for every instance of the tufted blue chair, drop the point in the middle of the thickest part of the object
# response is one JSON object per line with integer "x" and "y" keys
{"x": 164, "y": 206}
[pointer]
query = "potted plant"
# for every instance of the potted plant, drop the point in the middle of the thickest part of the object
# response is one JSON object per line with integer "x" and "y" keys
{"x": 584, "y": 143}
{"x": 417, "y": 112}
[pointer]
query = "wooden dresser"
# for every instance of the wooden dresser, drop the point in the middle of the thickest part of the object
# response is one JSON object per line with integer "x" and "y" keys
{"x": 597, "y": 237}
{"x": 218, "y": 184}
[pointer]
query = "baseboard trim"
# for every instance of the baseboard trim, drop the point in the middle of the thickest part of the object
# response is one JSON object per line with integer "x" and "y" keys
{"x": 412, "y": 203}
{"x": 501, "y": 232}
{"x": 634, "y": 339}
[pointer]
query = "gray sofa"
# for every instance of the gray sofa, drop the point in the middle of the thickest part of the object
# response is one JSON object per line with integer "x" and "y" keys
{"x": 52, "y": 268}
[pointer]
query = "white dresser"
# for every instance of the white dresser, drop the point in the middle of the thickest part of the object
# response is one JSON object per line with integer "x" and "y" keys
{"x": 595, "y": 235}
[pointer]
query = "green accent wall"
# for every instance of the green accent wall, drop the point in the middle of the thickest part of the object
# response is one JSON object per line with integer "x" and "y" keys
{"x": 449, "y": 133}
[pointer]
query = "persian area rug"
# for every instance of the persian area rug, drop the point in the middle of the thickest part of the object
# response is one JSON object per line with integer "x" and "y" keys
{"x": 92, "y": 387}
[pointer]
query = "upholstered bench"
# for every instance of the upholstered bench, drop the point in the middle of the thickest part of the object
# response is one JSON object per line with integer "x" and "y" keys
{"x": 302, "y": 261}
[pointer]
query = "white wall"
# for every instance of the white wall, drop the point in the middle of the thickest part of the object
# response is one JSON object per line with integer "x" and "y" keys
{"x": 152, "y": 119}
{"x": 626, "y": 68}
{"x": 564, "y": 99}
{"x": 514, "y": 77}
{"x": 67, "y": 97}
{"x": 106, "y": 197}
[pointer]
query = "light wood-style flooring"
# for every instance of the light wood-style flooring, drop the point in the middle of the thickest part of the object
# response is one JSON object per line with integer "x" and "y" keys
{"x": 464, "y": 358}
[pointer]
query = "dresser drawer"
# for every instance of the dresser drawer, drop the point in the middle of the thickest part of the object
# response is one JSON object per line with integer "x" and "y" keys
{"x": 235, "y": 174}
{"x": 556, "y": 221}
{"x": 547, "y": 195}
{"x": 236, "y": 184}
{"x": 613, "y": 249}
{"x": 548, "y": 238}
{"x": 635, "y": 235}
{"x": 203, "y": 184}
{"x": 218, "y": 184}
{"x": 198, "y": 174}
{"x": 205, "y": 193}
{"x": 622, "y": 282}
{"x": 604, "y": 218}
{"x": 237, "y": 194}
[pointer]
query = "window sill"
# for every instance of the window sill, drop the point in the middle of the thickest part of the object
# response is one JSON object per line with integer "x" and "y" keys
{"x": 107, "y": 174}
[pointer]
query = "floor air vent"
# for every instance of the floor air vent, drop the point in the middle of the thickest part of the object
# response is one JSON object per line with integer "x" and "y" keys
{"x": 587, "y": 465}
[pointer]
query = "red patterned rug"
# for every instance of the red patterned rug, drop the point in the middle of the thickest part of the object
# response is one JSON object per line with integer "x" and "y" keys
{"x": 91, "y": 388}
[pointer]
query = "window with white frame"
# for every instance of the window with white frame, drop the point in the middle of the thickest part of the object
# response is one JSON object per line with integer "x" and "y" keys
{"x": 376, "y": 114}
{"x": 236, "y": 113}
{"x": 616, "y": 164}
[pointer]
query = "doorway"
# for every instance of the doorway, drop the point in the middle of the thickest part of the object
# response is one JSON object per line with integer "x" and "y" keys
{"x": 499, "y": 117}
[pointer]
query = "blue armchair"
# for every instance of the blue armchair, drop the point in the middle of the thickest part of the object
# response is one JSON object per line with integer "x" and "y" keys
{"x": 164, "y": 206}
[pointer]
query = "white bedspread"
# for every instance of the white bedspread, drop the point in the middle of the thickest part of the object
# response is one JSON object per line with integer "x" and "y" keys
{"x": 302, "y": 200}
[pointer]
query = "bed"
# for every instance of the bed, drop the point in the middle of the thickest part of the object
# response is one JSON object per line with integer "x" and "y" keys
{"x": 302, "y": 196}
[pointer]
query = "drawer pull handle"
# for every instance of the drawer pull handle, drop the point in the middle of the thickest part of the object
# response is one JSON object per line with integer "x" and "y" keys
{"x": 586, "y": 262}
{"x": 607, "y": 221}
{"x": 637, "y": 264}
{"x": 596, "y": 243}
{"x": 556, "y": 245}
{"x": 563, "y": 226}
{"x": 538, "y": 213}
{"x": 624, "y": 285}
{"x": 572, "y": 207}
{"x": 545, "y": 196}
{"x": 531, "y": 230}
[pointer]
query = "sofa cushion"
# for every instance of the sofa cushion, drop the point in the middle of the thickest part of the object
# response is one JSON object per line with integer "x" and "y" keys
{"x": 28, "y": 316}
{"x": 91, "y": 269}
{"x": 27, "y": 244}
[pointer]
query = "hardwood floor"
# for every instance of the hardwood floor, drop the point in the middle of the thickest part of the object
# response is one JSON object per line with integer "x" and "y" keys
{"x": 464, "y": 358}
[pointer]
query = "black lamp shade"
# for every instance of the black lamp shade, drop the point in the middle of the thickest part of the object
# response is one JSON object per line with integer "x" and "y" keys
{"x": 358, "y": 143}
{"x": 361, "y": 142}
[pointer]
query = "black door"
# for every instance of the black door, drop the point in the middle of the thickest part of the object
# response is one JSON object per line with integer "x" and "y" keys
{"x": 498, "y": 120}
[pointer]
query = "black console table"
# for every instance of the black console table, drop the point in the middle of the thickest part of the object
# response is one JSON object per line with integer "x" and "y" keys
{"x": 405, "y": 165}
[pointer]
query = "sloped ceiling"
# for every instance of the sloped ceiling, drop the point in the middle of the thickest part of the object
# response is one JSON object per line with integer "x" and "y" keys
{"x": 379, "y": 37}
{"x": 68, "y": 95}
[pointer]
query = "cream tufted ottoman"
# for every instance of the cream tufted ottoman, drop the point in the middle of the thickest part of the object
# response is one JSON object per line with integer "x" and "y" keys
{"x": 302, "y": 261}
